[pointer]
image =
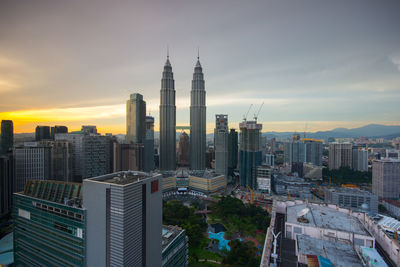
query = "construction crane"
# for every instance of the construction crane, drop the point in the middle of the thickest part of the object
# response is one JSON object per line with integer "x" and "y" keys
{"x": 258, "y": 112}
{"x": 251, "y": 194}
{"x": 245, "y": 116}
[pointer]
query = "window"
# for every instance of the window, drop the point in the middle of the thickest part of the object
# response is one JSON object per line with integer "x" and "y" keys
{"x": 154, "y": 186}
{"x": 297, "y": 230}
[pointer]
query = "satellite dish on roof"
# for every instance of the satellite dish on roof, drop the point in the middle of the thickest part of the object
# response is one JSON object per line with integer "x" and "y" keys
{"x": 303, "y": 212}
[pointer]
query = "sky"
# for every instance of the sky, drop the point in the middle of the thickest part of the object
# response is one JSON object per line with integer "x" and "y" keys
{"x": 316, "y": 65}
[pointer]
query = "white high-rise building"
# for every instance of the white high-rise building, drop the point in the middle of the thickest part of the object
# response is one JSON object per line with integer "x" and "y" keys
{"x": 360, "y": 159}
{"x": 340, "y": 155}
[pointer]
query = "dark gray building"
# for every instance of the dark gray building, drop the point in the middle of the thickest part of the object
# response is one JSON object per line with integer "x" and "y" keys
{"x": 57, "y": 129}
{"x": 32, "y": 162}
{"x": 221, "y": 144}
{"x": 135, "y": 119}
{"x": 95, "y": 155}
{"x": 149, "y": 145}
{"x": 167, "y": 120}
{"x": 233, "y": 152}
{"x": 6, "y": 183}
{"x": 175, "y": 247}
{"x": 42, "y": 133}
{"x": 124, "y": 219}
{"x": 198, "y": 120}
{"x": 7, "y": 136}
{"x": 352, "y": 198}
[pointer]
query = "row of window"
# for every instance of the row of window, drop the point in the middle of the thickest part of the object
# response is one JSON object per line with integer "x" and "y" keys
{"x": 58, "y": 211}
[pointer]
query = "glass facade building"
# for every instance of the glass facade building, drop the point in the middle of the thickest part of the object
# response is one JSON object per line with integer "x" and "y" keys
{"x": 49, "y": 225}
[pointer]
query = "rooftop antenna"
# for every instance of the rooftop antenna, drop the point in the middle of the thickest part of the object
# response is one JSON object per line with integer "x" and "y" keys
{"x": 258, "y": 112}
{"x": 167, "y": 51}
{"x": 245, "y": 116}
{"x": 198, "y": 53}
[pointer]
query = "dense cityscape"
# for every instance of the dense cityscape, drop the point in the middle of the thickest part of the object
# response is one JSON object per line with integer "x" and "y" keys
{"x": 175, "y": 193}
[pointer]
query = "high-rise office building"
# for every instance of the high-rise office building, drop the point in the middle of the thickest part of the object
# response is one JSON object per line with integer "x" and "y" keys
{"x": 233, "y": 152}
{"x": 42, "y": 133}
{"x": 76, "y": 139}
{"x": 264, "y": 174}
{"x": 135, "y": 119}
{"x": 91, "y": 153}
{"x": 149, "y": 145}
{"x": 272, "y": 145}
{"x": 124, "y": 219}
{"x": 294, "y": 151}
{"x": 270, "y": 160}
{"x": 95, "y": 155}
{"x": 89, "y": 129}
{"x": 167, "y": 119}
{"x": 7, "y": 136}
{"x": 56, "y": 130}
{"x": 128, "y": 157}
{"x": 198, "y": 120}
{"x": 250, "y": 153}
{"x": 386, "y": 178}
{"x": 175, "y": 247}
{"x": 6, "y": 183}
{"x": 340, "y": 155}
{"x": 49, "y": 225}
{"x": 313, "y": 151}
{"x": 221, "y": 144}
{"x": 183, "y": 150}
{"x": 360, "y": 159}
{"x": 61, "y": 160}
{"x": 43, "y": 160}
{"x": 32, "y": 162}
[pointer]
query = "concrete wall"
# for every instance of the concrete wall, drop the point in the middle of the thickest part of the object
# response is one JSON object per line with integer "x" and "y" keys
{"x": 94, "y": 201}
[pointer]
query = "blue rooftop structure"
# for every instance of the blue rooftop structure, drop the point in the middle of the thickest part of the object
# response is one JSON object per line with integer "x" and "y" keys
{"x": 6, "y": 250}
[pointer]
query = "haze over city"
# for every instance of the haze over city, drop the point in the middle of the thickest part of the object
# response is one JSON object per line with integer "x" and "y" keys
{"x": 324, "y": 65}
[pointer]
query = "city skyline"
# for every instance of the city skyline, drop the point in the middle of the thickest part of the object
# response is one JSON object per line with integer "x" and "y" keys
{"x": 344, "y": 72}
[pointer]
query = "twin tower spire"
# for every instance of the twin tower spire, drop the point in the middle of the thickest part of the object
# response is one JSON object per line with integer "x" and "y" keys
{"x": 168, "y": 119}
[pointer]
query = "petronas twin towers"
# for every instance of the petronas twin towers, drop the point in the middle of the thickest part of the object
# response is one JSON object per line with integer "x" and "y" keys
{"x": 168, "y": 120}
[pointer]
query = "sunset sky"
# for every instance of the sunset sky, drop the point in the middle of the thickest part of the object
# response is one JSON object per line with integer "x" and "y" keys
{"x": 324, "y": 64}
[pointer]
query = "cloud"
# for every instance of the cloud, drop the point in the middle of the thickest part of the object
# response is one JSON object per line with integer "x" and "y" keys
{"x": 396, "y": 61}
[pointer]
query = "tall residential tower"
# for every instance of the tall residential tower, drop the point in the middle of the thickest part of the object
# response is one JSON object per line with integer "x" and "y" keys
{"x": 167, "y": 120}
{"x": 198, "y": 120}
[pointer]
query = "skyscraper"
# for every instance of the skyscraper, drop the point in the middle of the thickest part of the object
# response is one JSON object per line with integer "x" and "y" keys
{"x": 340, "y": 155}
{"x": 250, "y": 153}
{"x": 124, "y": 216}
{"x": 135, "y": 119}
{"x": 198, "y": 120}
{"x": 386, "y": 178}
{"x": 232, "y": 151}
{"x": 149, "y": 145}
{"x": 167, "y": 119}
{"x": 57, "y": 129}
{"x": 42, "y": 133}
{"x": 360, "y": 159}
{"x": 6, "y": 183}
{"x": 183, "y": 150}
{"x": 221, "y": 144}
{"x": 7, "y": 136}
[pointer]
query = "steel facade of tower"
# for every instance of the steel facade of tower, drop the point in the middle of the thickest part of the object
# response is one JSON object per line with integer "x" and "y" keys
{"x": 250, "y": 153}
{"x": 167, "y": 120}
{"x": 7, "y": 136}
{"x": 198, "y": 120}
{"x": 135, "y": 119}
{"x": 221, "y": 144}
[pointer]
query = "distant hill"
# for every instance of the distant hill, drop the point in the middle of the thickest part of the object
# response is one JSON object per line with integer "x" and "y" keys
{"x": 371, "y": 130}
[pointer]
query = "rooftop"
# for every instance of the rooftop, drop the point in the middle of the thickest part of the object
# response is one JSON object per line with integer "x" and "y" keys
{"x": 349, "y": 190}
{"x": 372, "y": 257}
{"x": 392, "y": 202}
{"x": 338, "y": 253}
{"x": 169, "y": 233}
{"x": 66, "y": 193}
{"x": 122, "y": 177}
{"x": 324, "y": 217}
